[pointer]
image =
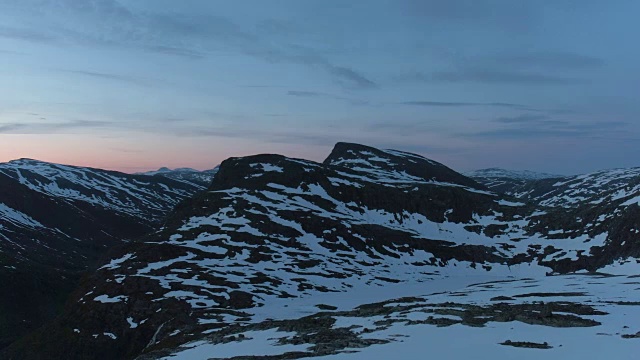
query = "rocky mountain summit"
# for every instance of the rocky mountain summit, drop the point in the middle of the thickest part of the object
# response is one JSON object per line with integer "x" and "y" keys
{"x": 272, "y": 234}
{"x": 57, "y": 221}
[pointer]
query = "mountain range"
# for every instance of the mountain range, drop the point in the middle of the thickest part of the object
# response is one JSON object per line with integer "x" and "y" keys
{"x": 289, "y": 258}
{"x": 57, "y": 221}
{"x": 195, "y": 177}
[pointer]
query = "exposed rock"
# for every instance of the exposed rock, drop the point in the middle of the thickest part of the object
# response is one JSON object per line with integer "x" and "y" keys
{"x": 271, "y": 227}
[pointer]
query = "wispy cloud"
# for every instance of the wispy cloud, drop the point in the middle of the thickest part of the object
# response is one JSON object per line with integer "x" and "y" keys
{"x": 467, "y": 104}
{"x": 550, "y": 60}
{"x": 26, "y": 35}
{"x": 275, "y": 115}
{"x": 350, "y": 77}
{"x": 305, "y": 93}
{"x": 523, "y": 118}
{"x": 112, "y": 77}
{"x": 177, "y": 51}
{"x": 10, "y": 128}
{"x": 11, "y": 52}
{"x": 127, "y": 150}
{"x": 511, "y": 68}
{"x": 493, "y": 76}
{"x": 504, "y": 15}
{"x": 263, "y": 86}
{"x": 401, "y": 128}
{"x": 528, "y": 126}
{"x": 314, "y": 94}
{"x": 521, "y": 133}
{"x": 50, "y": 127}
{"x": 112, "y": 23}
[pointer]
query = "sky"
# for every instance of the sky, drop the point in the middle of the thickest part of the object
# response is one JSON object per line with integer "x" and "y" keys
{"x": 133, "y": 85}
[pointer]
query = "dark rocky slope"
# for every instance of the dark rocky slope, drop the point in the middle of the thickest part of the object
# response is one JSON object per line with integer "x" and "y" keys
{"x": 272, "y": 227}
{"x": 56, "y": 222}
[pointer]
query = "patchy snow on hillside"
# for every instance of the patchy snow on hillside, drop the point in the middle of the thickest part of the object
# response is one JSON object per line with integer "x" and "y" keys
{"x": 255, "y": 343}
{"x": 133, "y": 195}
{"x": 510, "y": 174}
{"x": 587, "y": 317}
{"x": 17, "y": 218}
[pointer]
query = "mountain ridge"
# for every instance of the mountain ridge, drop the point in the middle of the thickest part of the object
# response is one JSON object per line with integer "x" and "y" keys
{"x": 270, "y": 228}
{"x": 192, "y": 176}
{"x": 272, "y": 232}
{"x": 496, "y": 172}
{"x": 56, "y": 222}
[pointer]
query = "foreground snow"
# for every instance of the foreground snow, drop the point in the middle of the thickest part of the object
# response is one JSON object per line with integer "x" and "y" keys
{"x": 408, "y": 332}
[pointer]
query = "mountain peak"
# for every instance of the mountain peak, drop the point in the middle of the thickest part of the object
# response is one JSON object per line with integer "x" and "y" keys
{"x": 257, "y": 170}
{"x": 275, "y": 232}
{"x": 22, "y": 161}
{"x": 394, "y": 166}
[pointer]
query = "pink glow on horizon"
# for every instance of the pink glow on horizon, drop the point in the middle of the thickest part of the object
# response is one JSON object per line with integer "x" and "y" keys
{"x": 149, "y": 154}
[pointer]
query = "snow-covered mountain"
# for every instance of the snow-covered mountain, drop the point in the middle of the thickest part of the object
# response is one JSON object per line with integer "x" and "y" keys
{"x": 617, "y": 186}
{"x": 510, "y": 174}
{"x": 316, "y": 256}
{"x": 143, "y": 197}
{"x": 508, "y": 182}
{"x": 56, "y": 221}
{"x": 192, "y": 176}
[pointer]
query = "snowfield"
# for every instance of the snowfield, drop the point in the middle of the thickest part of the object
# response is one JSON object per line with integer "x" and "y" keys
{"x": 412, "y": 329}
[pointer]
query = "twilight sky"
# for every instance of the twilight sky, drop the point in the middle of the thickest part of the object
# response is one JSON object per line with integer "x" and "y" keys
{"x": 547, "y": 85}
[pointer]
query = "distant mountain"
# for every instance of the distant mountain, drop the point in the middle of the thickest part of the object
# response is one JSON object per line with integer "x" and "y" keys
{"x": 192, "y": 176}
{"x": 507, "y": 182}
{"x": 606, "y": 187}
{"x": 511, "y": 174}
{"x": 273, "y": 234}
{"x": 56, "y": 221}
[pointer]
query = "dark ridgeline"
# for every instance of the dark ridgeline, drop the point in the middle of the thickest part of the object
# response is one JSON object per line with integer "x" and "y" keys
{"x": 346, "y": 221}
{"x": 197, "y": 178}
